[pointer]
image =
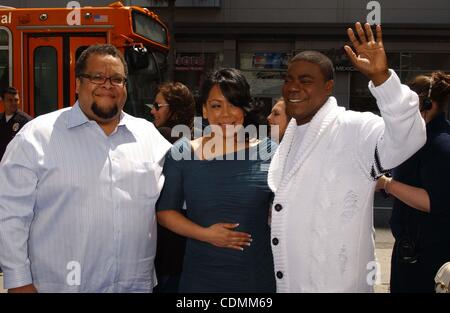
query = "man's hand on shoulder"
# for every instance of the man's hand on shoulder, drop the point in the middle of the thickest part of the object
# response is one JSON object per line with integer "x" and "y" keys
{"x": 370, "y": 57}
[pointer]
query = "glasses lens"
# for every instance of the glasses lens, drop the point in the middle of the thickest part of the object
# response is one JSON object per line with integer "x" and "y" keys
{"x": 98, "y": 79}
{"x": 117, "y": 80}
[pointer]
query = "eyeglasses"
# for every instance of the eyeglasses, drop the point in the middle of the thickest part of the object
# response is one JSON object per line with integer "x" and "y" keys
{"x": 157, "y": 106}
{"x": 117, "y": 80}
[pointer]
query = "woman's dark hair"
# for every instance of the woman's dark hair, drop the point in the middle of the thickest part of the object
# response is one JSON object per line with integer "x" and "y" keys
{"x": 236, "y": 90}
{"x": 181, "y": 104}
{"x": 440, "y": 88}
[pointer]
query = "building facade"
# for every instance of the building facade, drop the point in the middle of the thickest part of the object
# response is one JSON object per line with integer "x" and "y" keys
{"x": 259, "y": 37}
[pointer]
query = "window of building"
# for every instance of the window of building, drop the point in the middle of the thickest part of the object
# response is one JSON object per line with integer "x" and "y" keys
{"x": 191, "y": 68}
{"x": 265, "y": 72}
{"x": 407, "y": 66}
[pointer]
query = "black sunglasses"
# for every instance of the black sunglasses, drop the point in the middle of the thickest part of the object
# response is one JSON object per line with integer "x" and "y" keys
{"x": 156, "y": 105}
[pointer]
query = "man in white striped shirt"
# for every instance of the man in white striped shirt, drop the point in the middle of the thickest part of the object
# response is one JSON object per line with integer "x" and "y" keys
{"x": 78, "y": 188}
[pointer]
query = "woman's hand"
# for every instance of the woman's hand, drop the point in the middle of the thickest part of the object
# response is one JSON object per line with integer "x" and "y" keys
{"x": 382, "y": 183}
{"x": 222, "y": 235}
{"x": 415, "y": 197}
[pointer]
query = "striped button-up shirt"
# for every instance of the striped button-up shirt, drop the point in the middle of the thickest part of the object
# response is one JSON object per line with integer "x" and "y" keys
{"x": 77, "y": 206}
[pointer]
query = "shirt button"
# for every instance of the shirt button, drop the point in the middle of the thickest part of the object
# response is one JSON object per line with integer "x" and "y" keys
{"x": 275, "y": 241}
{"x": 279, "y": 275}
{"x": 278, "y": 207}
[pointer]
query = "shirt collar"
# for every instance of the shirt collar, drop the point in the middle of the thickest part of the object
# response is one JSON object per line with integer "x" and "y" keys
{"x": 77, "y": 117}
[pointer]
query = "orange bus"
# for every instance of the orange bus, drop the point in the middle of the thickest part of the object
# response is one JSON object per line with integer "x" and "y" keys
{"x": 39, "y": 48}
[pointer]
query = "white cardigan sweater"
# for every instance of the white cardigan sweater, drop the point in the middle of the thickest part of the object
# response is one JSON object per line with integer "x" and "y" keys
{"x": 322, "y": 214}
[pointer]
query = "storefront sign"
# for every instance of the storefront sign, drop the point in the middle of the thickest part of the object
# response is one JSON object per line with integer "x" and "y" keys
{"x": 190, "y": 62}
{"x": 270, "y": 60}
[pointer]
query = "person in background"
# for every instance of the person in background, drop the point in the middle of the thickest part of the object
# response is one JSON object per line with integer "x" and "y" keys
{"x": 421, "y": 186}
{"x": 12, "y": 119}
{"x": 174, "y": 105}
{"x": 279, "y": 119}
{"x": 222, "y": 177}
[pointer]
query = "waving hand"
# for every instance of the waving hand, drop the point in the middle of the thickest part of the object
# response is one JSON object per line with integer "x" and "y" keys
{"x": 370, "y": 57}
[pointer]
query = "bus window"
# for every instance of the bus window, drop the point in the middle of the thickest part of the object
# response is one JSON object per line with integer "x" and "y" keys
{"x": 142, "y": 84}
{"x": 149, "y": 28}
{"x": 45, "y": 80}
{"x": 4, "y": 69}
{"x": 4, "y": 59}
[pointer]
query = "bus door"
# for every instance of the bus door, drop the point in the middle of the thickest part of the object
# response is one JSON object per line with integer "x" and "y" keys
{"x": 45, "y": 74}
{"x": 51, "y": 70}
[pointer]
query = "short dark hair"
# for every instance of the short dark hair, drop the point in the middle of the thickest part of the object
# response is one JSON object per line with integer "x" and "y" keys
{"x": 10, "y": 90}
{"x": 320, "y": 59}
{"x": 181, "y": 103}
{"x": 234, "y": 87}
{"x": 99, "y": 49}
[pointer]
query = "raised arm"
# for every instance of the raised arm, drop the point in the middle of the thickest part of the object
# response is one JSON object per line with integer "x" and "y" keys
{"x": 384, "y": 143}
{"x": 370, "y": 58}
{"x": 220, "y": 234}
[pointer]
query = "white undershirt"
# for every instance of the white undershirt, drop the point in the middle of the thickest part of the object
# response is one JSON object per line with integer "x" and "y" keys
{"x": 8, "y": 117}
{"x": 295, "y": 145}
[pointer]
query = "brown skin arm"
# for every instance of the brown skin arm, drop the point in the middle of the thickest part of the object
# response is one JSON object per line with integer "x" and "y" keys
{"x": 415, "y": 197}
{"x": 24, "y": 289}
{"x": 220, "y": 234}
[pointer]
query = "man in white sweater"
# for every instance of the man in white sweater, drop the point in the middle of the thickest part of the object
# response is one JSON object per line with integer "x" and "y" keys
{"x": 325, "y": 169}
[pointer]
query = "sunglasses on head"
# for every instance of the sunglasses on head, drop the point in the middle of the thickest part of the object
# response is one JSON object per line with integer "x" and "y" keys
{"x": 157, "y": 106}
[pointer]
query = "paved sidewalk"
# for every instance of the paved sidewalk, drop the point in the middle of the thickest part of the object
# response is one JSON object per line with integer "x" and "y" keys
{"x": 383, "y": 245}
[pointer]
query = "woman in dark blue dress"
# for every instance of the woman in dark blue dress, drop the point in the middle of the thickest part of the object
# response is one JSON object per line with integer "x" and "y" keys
{"x": 222, "y": 179}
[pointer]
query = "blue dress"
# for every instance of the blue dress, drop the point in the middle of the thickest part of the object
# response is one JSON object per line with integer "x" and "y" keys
{"x": 223, "y": 191}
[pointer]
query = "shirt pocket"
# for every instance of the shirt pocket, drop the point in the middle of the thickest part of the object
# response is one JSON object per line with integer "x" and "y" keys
{"x": 143, "y": 180}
